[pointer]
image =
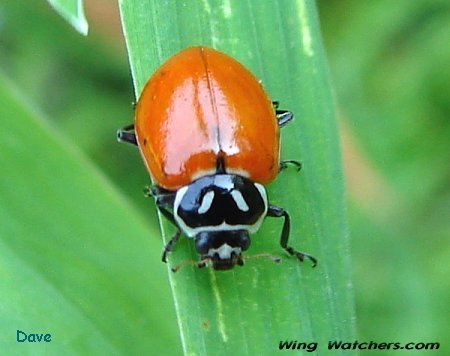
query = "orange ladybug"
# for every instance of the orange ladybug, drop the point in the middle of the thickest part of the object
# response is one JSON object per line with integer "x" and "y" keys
{"x": 209, "y": 136}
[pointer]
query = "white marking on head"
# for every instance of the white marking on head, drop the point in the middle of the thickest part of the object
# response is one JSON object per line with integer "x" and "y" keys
{"x": 206, "y": 202}
{"x": 262, "y": 192}
{"x": 224, "y": 181}
{"x": 239, "y": 200}
{"x": 224, "y": 251}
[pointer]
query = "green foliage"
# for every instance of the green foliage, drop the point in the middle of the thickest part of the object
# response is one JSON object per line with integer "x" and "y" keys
{"x": 249, "y": 310}
{"x": 73, "y": 12}
{"x": 390, "y": 63}
{"x": 87, "y": 248}
{"x": 390, "y": 67}
{"x": 70, "y": 264}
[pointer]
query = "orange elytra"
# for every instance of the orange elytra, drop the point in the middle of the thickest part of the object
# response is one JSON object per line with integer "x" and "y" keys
{"x": 202, "y": 105}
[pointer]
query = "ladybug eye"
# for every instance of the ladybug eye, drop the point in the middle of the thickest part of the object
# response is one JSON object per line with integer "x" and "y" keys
{"x": 202, "y": 243}
{"x": 206, "y": 202}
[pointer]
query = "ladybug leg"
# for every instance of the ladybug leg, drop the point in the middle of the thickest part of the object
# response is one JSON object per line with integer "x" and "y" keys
{"x": 164, "y": 202}
{"x": 290, "y": 162}
{"x": 283, "y": 117}
{"x": 169, "y": 246}
{"x": 127, "y": 135}
{"x": 169, "y": 216}
{"x": 160, "y": 193}
{"x": 277, "y": 212}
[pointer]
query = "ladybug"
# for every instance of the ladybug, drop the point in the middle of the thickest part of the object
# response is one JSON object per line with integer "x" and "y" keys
{"x": 209, "y": 136}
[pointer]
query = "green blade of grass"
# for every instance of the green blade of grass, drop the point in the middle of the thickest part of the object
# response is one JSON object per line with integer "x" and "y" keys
{"x": 72, "y": 11}
{"x": 72, "y": 259}
{"x": 250, "y": 310}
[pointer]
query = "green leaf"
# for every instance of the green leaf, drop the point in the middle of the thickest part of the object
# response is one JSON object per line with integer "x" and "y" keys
{"x": 250, "y": 310}
{"x": 76, "y": 261}
{"x": 72, "y": 11}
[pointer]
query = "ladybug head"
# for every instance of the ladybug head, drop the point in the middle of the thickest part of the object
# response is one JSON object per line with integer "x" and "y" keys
{"x": 223, "y": 249}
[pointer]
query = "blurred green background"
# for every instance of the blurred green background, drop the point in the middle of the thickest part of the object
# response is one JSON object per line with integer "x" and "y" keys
{"x": 390, "y": 67}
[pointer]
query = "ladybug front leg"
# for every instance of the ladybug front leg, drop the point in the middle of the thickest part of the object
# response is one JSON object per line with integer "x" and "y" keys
{"x": 277, "y": 212}
{"x": 169, "y": 246}
{"x": 127, "y": 134}
{"x": 164, "y": 202}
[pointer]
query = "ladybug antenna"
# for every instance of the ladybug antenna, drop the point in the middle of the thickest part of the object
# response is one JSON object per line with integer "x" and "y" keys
{"x": 199, "y": 264}
{"x": 273, "y": 258}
